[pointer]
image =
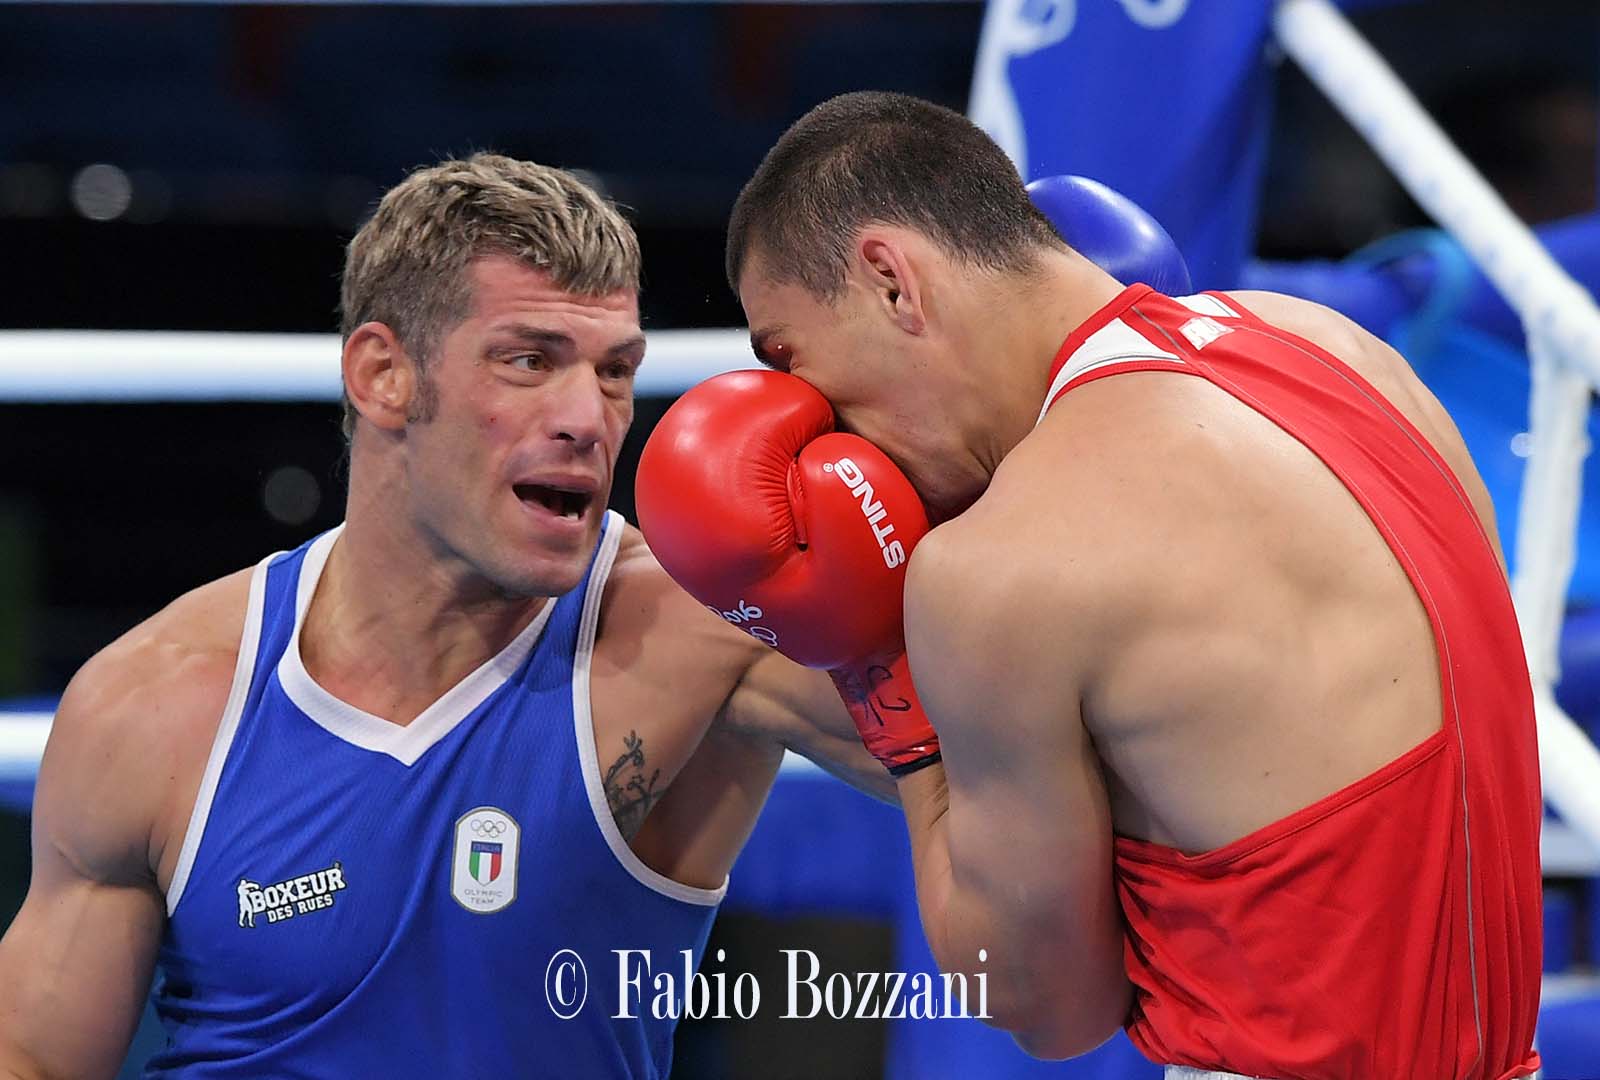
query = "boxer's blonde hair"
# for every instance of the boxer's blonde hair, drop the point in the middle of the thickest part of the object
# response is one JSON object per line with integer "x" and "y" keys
{"x": 407, "y": 266}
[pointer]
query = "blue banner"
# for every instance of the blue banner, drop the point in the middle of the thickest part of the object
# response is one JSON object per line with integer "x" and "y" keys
{"x": 1167, "y": 101}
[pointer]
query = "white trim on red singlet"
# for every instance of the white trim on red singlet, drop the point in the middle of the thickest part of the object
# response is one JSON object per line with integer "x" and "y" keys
{"x": 1114, "y": 343}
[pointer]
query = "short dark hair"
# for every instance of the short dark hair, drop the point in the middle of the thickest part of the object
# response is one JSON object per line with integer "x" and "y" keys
{"x": 892, "y": 159}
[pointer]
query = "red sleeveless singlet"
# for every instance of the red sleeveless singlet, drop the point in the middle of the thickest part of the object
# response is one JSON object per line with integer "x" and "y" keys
{"x": 1392, "y": 929}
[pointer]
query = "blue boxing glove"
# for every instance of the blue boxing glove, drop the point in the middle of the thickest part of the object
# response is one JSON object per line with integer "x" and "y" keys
{"x": 1111, "y": 231}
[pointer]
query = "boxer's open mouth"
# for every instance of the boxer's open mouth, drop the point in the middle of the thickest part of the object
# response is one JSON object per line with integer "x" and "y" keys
{"x": 559, "y": 501}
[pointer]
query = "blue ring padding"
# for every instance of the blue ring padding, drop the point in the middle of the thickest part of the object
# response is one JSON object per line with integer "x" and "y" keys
{"x": 16, "y": 796}
{"x": 812, "y": 812}
{"x": 1579, "y": 689}
{"x": 1439, "y": 306}
{"x": 1381, "y": 294}
{"x": 1569, "y": 1036}
{"x": 1560, "y": 924}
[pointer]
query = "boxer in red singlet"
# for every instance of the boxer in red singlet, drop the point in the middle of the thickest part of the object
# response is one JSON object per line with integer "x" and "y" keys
{"x": 1237, "y": 735}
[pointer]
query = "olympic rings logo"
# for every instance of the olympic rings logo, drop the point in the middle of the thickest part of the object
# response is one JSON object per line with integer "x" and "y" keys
{"x": 487, "y": 827}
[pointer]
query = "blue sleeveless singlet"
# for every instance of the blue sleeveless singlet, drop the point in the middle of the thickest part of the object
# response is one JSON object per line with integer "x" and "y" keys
{"x": 359, "y": 899}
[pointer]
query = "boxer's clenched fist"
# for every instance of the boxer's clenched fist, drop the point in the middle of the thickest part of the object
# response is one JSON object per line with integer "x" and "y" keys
{"x": 797, "y": 533}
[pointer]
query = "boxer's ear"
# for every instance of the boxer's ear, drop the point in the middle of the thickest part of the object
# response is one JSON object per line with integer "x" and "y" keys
{"x": 887, "y": 267}
{"x": 380, "y": 377}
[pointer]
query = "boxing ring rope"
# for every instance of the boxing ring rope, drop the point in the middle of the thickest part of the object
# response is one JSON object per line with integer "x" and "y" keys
{"x": 1561, "y": 321}
{"x": 22, "y": 738}
{"x": 1563, "y": 330}
{"x": 43, "y": 366}
{"x": 49, "y": 366}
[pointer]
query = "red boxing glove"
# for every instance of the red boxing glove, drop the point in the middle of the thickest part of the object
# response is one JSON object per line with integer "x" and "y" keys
{"x": 798, "y": 534}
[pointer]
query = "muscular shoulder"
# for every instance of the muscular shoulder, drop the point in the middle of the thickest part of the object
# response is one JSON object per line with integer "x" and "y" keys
{"x": 1077, "y": 540}
{"x": 640, "y": 590}
{"x": 1368, "y": 354}
{"x": 1317, "y": 323}
{"x": 637, "y": 578}
{"x": 134, "y": 721}
{"x": 1108, "y": 484}
{"x": 1374, "y": 360}
{"x": 159, "y": 673}
{"x": 1007, "y": 588}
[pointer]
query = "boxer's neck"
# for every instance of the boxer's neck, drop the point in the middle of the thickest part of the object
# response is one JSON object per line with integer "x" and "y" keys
{"x": 1070, "y": 291}
{"x": 393, "y": 610}
{"x": 1026, "y": 318}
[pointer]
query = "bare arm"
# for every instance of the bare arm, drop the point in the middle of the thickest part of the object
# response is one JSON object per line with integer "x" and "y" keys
{"x": 697, "y": 829}
{"x": 797, "y": 708}
{"x": 772, "y": 704}
{"x": 122, "y": 764}
{"x": 1011, "y": 836}
{"x": 742, "y": 706}
{"x": 76, "y": 963}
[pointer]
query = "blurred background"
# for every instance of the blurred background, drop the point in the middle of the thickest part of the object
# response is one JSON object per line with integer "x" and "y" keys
{"x": 200, "y": 167}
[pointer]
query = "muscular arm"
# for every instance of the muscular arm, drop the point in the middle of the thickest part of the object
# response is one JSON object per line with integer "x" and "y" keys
{"x": 797, "y": 708}
{"x": 767, "y": 703}
{"x": 76, "y": 963}
{"x": 747, "y": 704}
{"x": 122, "y": 764}
{"x": 1011, "y": 835}
{"x": 697, "y": 829}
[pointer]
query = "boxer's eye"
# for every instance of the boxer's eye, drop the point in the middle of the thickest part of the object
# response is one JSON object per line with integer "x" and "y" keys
{"x": 772, "y": 352}
{"x": 775, "y": 356}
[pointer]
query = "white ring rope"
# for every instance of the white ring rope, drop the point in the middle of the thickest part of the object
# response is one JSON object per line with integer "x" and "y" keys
{"x": 114, "y": 366}
{"x": 1563, "y": 327}
{"x": 22, "y": 738}
{"x": 1562, "y": 321}
{"x": 118, "y": 366}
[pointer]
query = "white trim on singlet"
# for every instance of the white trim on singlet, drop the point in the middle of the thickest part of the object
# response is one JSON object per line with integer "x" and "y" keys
{"x": 1207, "y": 305}
{"x": 1114, "y": 343}
{"x": 588, "y": 756}
{"x": 405, "y": 743}
{"x": 222, "y": 742}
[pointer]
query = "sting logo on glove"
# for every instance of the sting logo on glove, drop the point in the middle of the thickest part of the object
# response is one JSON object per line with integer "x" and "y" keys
{"x": 745, "y": 490}
{"x": 894, "y": 553}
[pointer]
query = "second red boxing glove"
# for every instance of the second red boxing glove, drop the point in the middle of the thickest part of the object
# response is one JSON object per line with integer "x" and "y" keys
{"x": 795, "y": 532}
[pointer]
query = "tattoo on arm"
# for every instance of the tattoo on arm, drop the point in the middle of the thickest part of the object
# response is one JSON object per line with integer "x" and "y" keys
{"x": 630, "y": 794}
